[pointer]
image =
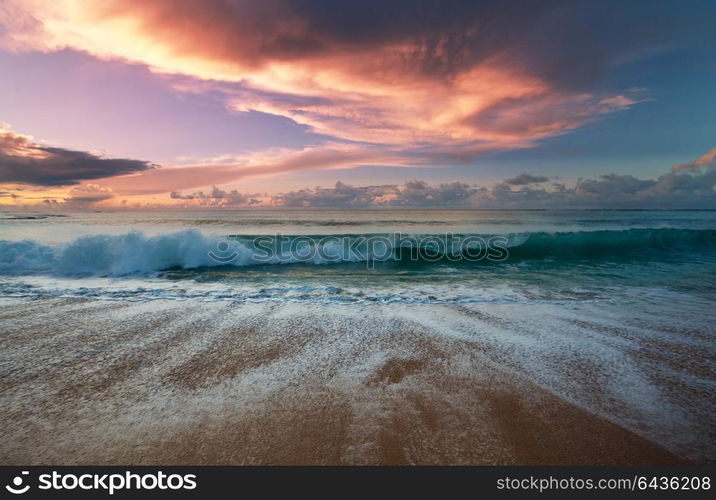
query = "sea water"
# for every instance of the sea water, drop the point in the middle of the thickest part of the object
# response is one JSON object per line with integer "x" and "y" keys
{"x": 542, "y": 255}
{"x": 610, "y": 310}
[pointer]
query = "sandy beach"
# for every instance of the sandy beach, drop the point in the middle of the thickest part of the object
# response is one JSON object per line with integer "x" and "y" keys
{"x": 309, "y": 232}
{"x": 192, "y": 382}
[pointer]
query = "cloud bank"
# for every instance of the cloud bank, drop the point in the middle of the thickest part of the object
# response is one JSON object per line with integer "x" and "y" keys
{"x": 23, "y": 161}
{"x": 525, "y": 179}
{"x": 671, "y": 190}
{"x": 217, "y": 198}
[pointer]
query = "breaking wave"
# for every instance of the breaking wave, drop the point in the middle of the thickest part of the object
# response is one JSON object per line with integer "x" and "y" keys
{"x": 137, "y": 253}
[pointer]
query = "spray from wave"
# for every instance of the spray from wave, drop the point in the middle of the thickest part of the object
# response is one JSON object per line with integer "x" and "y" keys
{"x": 135, "y": 253}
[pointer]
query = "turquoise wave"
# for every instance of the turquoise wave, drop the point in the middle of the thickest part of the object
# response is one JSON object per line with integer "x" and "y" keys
{"x": 137, "y": 253}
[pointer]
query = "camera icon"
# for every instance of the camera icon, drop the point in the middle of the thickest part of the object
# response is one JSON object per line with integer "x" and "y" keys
{"x": 224, "y": 253}
{"x": 16, "y": 487}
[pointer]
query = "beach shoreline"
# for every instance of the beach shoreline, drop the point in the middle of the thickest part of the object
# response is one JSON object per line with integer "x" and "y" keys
{"x": 88, "y": 381}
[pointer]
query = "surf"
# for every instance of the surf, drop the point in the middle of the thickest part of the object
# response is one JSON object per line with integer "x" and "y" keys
{"x": 136, "y": 253}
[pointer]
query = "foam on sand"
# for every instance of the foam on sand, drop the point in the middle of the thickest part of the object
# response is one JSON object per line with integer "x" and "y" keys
{"x": 89, "y": 381}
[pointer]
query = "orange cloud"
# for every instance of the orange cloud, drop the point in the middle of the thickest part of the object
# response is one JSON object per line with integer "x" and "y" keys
{"x": 393, "y": 81}
{"x": 161, "y": 180}
{"x": 705, "y": 160}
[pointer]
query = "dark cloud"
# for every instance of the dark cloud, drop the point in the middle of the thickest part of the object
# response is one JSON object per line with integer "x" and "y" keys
{"x": 341, "y": 195}
{"x": 524, "y": 179}
{"x": 570, "y": 42}
{"x": 671, "y": 190}
{"x": 421, "y": 194}
{"x": 216, "y": 197}
{"x": 254, "y": 33}
{"x": 23, "y": 161}
{"x": 86, "y": 195}
{"x": 87, "y": 200}
{"x": 611, "y": 185}
{"x": 410, "y": 194}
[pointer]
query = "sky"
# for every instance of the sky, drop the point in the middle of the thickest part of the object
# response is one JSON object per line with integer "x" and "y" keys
{"x": 357, "y": 104}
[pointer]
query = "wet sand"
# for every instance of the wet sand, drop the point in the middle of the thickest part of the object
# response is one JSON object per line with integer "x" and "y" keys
{"x": 169, "y": 382}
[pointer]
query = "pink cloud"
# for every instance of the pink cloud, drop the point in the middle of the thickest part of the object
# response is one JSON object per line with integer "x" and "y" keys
{"x": 447, "y": 83}
{"x": 705, "y": 160}
{"x": 161, "y": 180}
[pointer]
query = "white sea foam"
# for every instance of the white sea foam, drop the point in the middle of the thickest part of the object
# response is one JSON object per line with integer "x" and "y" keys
{"x": 145, "y": 371}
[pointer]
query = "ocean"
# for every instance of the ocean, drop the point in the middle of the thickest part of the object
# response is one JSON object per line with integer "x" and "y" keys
{"x": 123, "y": 324}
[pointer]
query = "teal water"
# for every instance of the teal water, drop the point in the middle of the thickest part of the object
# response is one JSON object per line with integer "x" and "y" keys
{"x": 540, "y": 255}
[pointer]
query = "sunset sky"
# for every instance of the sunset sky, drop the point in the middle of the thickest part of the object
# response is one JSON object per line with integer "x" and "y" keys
{"x": 355, "y": 104}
